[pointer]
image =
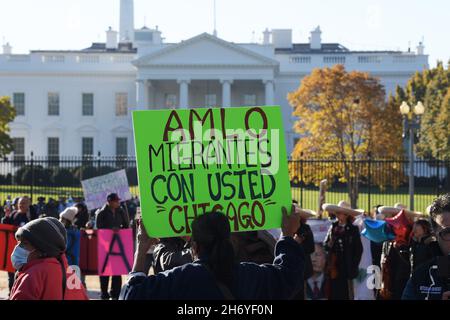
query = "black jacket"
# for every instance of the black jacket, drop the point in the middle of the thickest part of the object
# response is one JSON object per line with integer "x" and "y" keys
{"x": 81, "y": 219}
{"x": 106, "y": 219}
{"x": 427, "y": 282}
{"x": 250, "y": 247}
{"x": 193, "y": 281}
{"x": 396, "y": 270}
{"x": 308, "y": 247}
{"x": 347, "y": 247}
{"x": 171, "y": 253}
{"x": 420, "y": 251}
{"x": 16, "y": 219}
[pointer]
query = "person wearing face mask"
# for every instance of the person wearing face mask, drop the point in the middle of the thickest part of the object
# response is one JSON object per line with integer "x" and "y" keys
{"x": 16, "y": 218}
{"x": 42, "y": 269}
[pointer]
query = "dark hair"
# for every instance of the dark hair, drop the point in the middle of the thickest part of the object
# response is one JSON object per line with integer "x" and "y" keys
{"x": 83, "y": 208}
{"x": 211, "y": 232}
{"x": 439, "y": 206}
{"x": 426, "y": 226}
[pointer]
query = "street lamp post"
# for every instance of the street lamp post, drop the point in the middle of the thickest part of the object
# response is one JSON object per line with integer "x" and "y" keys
{"x": 411, "y": 124}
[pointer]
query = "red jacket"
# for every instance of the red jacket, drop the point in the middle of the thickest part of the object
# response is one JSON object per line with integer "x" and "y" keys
{"x": 41, "y": 279}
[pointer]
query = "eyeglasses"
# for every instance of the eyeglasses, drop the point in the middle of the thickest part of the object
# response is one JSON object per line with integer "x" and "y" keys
{"x": 444, "y": 234}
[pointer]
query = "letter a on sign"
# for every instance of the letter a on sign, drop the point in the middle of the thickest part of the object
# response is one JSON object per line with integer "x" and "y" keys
{"x": 115, "y": 252}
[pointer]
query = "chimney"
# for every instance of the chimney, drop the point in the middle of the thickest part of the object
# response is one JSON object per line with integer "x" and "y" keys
{"x": 315, "y": 40}
{"x": 282, "y": 38}
{"x": 420, "y": 49}
{"x": 111, "y": 39}
{"x": 7, "y": 49}
{"x": 126, "y": 21}
{"x": 266, "y": 37}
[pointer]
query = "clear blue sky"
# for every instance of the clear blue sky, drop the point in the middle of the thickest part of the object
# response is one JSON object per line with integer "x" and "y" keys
{"x": 357, "y": 24}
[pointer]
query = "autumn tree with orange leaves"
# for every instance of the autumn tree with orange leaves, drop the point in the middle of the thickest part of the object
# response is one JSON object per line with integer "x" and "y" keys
{"x": 343, "y": 116}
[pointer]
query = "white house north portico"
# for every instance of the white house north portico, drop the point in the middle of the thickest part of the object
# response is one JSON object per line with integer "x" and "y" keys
{"x": 79, "y": 102}
{"x": 222, "y": 69}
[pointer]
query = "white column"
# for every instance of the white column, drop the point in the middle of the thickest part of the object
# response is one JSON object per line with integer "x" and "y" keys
{"x": 141, "y": 95}
{"x": 184, "y": 93}
{"x": 269, "y": 92}
{"x": 226, "y": 92}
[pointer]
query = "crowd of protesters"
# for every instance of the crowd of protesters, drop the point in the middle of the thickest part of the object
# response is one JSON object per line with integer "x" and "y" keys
{"x": 216, "y": 264}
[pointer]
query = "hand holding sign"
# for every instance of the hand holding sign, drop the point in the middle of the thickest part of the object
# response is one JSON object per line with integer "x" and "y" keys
{"x": 291, "y": 222}
{"x": 144, "y": 242}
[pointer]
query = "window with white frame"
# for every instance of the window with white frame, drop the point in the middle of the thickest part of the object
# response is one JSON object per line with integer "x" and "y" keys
{"x": 171, "y": 100}
{"x": 53, "y": 104}
{"x": 53, "y": 148}
{"x": 249, "y": 100}
{"x": 19, "y": 149}
{"x": 210, "y": 100}
{"x": 121, "y": 104}
{"x": 88, "y": 104}
{"x": 87, "y": 146}
{"x": 19, "y": 103}
{"x": 121, "y": 146}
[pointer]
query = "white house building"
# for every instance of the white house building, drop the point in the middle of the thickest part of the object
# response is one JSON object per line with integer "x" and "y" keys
{"x": 79, "y": 102}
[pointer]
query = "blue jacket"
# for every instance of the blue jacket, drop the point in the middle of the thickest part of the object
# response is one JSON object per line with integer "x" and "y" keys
{"x": 280, "y": 280}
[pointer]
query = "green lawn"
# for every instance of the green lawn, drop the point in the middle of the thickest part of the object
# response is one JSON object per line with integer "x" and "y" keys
{"x": 423, "y": 196}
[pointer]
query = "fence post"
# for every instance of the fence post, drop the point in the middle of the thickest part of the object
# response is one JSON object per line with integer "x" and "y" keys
{"x": 438, "y": 182}
{"x": 301, "y": 179}
{"x": 369, "y": 189}
{"x": 98, "y": 159}
{"x": 32, "y": 176}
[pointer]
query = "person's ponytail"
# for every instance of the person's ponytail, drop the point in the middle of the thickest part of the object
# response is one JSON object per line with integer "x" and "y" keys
{"x": 211, "y": 232}
{"x": 221, "y": 261}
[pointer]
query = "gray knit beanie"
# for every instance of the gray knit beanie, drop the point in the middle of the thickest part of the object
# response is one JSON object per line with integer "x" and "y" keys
{"x": 47, "y": 235}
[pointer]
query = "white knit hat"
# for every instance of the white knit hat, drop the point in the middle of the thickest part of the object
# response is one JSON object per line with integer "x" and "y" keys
{"x": 69, "y": 214}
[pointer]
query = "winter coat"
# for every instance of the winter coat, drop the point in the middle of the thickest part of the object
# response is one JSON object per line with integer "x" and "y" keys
{"x": 347, "y": 248}
{"x": 106, "y": 219}
{"x": 427, "y": 281}
{"x": 41, "y": 279}
{"x": 193, "y": 281}
{"x": 420, "y": 251}
{"x": 171, "y": 253}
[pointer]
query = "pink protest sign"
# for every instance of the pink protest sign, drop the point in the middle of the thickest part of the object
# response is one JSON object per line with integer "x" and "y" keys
{"x": 115, "y": 252}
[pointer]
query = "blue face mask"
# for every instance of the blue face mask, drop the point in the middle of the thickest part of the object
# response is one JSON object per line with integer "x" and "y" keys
{"x": 19, "y": 257}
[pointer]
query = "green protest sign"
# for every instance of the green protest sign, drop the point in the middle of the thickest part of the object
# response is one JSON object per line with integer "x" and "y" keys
{"x": 192, "y": 161}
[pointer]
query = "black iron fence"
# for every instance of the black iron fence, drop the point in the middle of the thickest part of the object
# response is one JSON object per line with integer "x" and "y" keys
{"x": 374, "y": 181}
{"x": 56, "y": 176}
{"x": 371, "y": 181}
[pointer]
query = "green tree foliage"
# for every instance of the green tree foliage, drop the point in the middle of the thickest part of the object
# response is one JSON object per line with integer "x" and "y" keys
{"x": 7, "y": 115}
{"x": 344, "y": 116}
{"x": 431, "y": 87}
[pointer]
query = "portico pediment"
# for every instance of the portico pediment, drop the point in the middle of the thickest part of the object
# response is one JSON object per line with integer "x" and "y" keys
{"x": 204, "y": 50}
